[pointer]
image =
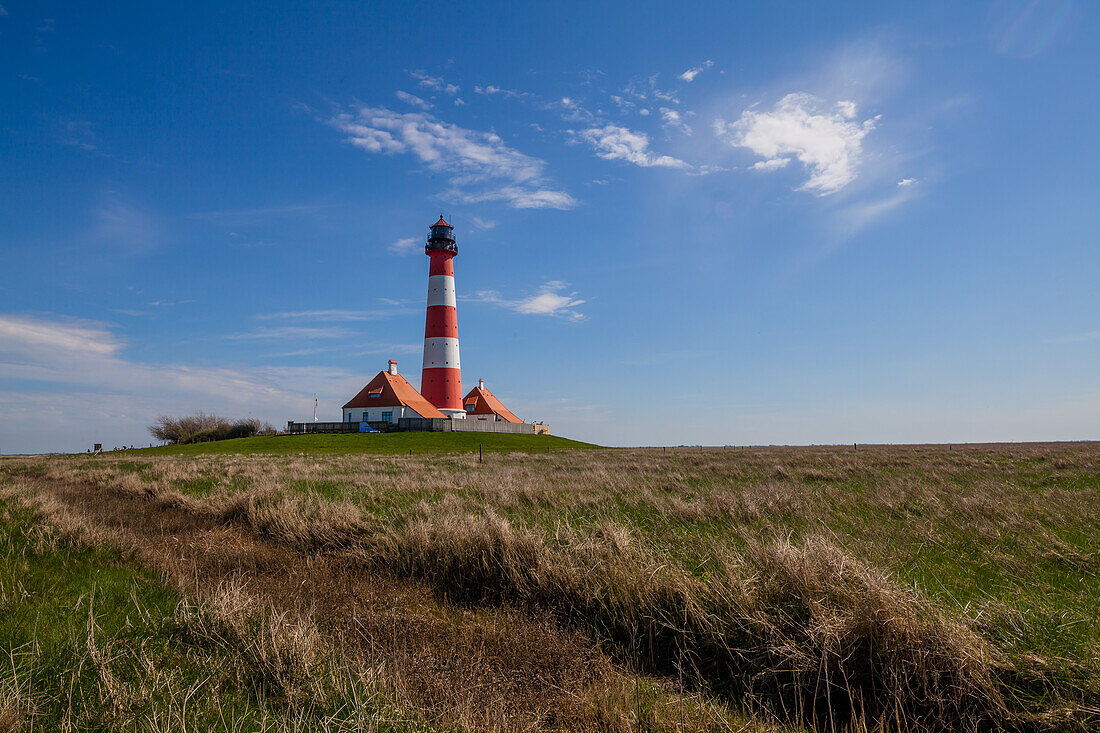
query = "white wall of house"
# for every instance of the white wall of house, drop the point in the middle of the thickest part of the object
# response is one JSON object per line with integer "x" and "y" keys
{"x": 374, "y": 414}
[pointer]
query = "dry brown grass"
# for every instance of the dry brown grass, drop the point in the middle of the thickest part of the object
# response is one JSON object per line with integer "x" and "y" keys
{"x": 432, "y": 663}
{"x": 757, "y": 574}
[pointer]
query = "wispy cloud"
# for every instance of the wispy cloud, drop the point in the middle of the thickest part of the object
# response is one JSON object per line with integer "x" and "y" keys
{"x": 690, "y": 74}
{"x": 434, "y": 83}
{"x": 285, "y": 333}
{"x": 121, "y": 224}
{"x": 674, "y": 120}
{"x": 77, "y": 387}
{"x": 70, "y": 335}
{"x": 389, "y": 349}
{"x": 548, "y": 301}
{"x": 826, "y": 140}
{"x": 858, "y": 216}
{"x": 259, "y": 214}
{"x": 336, "y": 315}
{"x": 647, "y": 90}
{"x": 489, "y": 90}
{"x": 482, "y": 167}
{"x": 483, "y": 224}
{"x": 404, "y": 246}
{"x": 905, "y": 182}
{"x": 613, "y": 142}
{"x": 80, "y": 134}
{"x": 412, "y": 99}
{"x": 1076, "y": 338}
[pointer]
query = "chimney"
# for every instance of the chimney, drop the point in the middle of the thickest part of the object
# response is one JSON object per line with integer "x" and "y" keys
{"x": 481, "y": 384}
{"x": 393, "y": 367}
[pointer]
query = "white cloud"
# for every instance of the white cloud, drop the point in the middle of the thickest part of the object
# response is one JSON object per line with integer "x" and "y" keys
{"x": 613, "y": 142}
{"x": 690, "y": 74}
{"x": 413, "y": 100}
{"x": 481, "y": 165}
{"x": 648, "y": 90}
{"x": 76, "y": 387}
{"x": 827, "y": 141}
{"x": 904, "y": 182}
{"x": 71, "y": 336}
{"x": 434, "y": 83}
{"x": 548, "y": 301}
{"x": 573, "y": 111}
{"x": 459, "y": 102}
{"x": 489, "y": 90}
{"x": 674, "y": 120}
{"x": 522, "y": 198}
{"x": 770, "y": 165}
{"x": 405, "y": 245}
{"x": 483, "y": 223}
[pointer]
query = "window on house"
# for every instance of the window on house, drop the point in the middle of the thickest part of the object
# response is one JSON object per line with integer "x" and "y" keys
{"x": 387, "y": 417}
{"x": 364, "y": 415}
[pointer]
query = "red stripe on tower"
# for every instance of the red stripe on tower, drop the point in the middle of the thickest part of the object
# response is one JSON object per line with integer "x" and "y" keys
{"x": 441, "y": 378}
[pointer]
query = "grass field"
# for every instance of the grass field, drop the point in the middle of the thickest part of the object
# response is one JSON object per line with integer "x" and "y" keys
{"x": 372, "y": 443}
{"x": 900, "y": 587}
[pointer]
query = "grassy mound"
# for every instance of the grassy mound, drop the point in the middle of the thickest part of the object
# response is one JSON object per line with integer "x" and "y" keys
{"x": 374, "y": 443}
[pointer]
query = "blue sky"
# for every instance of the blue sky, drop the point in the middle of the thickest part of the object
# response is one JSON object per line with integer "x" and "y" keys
{"x": 719, "y": 223}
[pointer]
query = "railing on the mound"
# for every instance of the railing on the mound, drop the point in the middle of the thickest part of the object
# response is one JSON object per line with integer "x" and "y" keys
{"x": 302, "y": 428}
{"x": 470, "y": 425}
{"x": 419, "y": 425}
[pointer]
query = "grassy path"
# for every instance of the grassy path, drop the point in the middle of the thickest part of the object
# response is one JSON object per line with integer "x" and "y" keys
{"x": 240, "y": 633}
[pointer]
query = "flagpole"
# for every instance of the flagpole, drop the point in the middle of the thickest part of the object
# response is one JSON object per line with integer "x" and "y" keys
{"x": 315, "y": 407}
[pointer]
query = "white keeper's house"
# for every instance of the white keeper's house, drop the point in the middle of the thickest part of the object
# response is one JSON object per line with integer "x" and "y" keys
{"x": 387, "y": 398}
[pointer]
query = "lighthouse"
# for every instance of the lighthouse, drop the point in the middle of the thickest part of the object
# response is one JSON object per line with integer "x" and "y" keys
{"x": 441, "y": 378}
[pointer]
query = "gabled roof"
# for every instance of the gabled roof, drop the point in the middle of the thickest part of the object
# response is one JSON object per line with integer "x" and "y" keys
{"x": 392, "y": 390}
{"x": 486, "y": 403}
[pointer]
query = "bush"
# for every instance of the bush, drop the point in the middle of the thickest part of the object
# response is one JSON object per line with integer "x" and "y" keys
{"x": 203, "y": 428}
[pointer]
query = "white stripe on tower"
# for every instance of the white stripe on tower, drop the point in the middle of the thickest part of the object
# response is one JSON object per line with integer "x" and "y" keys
{"x": 441, "y": 290}
{"x": 441, "y": 352}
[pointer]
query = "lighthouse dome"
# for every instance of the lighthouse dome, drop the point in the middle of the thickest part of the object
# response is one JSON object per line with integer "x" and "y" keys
{"x": 442, "y": 237}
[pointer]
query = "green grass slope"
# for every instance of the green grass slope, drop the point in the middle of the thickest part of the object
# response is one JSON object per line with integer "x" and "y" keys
{"x": 92, "y": 641}
{"x": 375, "y": 443}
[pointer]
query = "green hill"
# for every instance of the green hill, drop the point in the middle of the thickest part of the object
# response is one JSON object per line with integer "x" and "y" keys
{"x": 375, "y": 443}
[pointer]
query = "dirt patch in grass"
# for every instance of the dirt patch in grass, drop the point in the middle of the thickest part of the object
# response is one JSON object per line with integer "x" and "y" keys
{"x": 459, "y": 666}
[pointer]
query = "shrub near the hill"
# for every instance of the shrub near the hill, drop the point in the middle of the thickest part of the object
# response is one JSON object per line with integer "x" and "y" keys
{"x": 203, "y": 428}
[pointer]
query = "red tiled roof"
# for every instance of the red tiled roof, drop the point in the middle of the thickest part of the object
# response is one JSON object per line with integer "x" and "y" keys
{"x": 392, "y": 390}
{"x": 486, "y": 403}
{"x": 441, "y": 222}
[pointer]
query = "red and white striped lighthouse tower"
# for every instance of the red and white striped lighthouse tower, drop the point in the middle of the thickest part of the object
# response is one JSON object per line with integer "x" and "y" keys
{"x": 441, "y": 379}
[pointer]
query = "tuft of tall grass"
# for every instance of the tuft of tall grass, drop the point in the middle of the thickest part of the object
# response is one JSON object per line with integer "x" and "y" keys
{"x": 803, "y": 630}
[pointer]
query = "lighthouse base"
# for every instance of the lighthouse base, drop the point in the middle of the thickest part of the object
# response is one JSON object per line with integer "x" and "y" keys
{"x": 453, "y": 414}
